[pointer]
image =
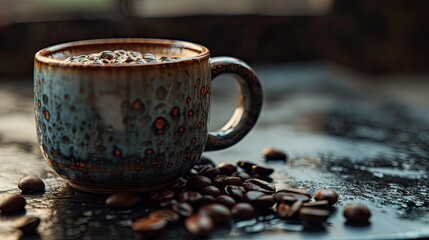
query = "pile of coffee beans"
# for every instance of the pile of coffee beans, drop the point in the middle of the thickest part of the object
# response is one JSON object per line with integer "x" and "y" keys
{"x": 211, "y": 196}
{"x": 120, "y": 57}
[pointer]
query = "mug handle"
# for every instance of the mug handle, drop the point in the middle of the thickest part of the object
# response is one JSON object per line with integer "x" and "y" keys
{"x": 248, "y": 107}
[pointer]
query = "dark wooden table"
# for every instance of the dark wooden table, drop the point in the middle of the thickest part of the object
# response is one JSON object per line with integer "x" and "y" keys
{"x": 368, "y": 139}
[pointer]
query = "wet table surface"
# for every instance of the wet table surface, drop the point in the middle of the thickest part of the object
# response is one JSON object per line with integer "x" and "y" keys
{"x": 367, "y": 139}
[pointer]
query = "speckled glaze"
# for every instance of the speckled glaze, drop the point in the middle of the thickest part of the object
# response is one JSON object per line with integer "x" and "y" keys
{"x": 132, "y": 127}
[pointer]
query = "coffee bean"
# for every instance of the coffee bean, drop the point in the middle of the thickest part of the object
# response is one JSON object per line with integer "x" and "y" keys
{"x": 165, "y": 59}
{"x": 31, "y": 184}
{"x": 242, "y": 211}
{"x": 150, "y": 226}
{"x": 179, "y": 185}
{"x": 283, "y": 197}
{"x": 123, "y": 200}
{"x": 168, "y": 203}
{"x": 246, "y": 166}
{"x": 170, "y": 215}
{"x": 270, "y": 153}
{"x": 12, "y": 203}
{"x": 299, "y": 191}
{"x": 183, "y": 209}
{"x": 210, "y": 190}
{"x": 205, "y": 199}
{"x": 357, "y": 213}
{"x": 218, "y": 212}
{"x": 323, "y": 204}
{"x": 242, "y": 175}
{"x": 294, "y": 208}
{"x": 107, "y": 55}
{"x": 255, "y": 184}
{"x": 253, "y": 195}
{"x": 161, "y": 195}
{"x": 27, "y": 225}
{"x": 193, "y": 172}
{"x": 263, "y": 203}
{"x": 225, "y": 200}
{"x": 302, "y": 198}
{"x": 226, "y": 168}
{"x": 313, "y": 215}
{"x": 197, "y": 182}
{"x": 236, "y": 192}
{"x": 191, "y": 197}
{"x": 326, "y": 194}
{"x": 199, "y": 225}
{"x": 204, "y": 162}
{"x": 283, "y": 210}
{"x": 209, "y": 172}
{"x": 262, "y": 171}
{"x": 222, "y": 181}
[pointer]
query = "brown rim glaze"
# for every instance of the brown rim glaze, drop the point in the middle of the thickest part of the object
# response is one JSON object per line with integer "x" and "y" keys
{"x": 42, "y": 55}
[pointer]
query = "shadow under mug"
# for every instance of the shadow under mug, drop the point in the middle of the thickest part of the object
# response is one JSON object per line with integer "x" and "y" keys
{"x": 128, "y": 127}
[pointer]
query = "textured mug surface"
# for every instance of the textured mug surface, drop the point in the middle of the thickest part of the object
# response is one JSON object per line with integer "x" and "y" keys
{"x": 107, "y": 128}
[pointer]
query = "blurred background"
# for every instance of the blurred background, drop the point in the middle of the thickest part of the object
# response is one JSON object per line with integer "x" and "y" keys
{"x": 372, "y": 37}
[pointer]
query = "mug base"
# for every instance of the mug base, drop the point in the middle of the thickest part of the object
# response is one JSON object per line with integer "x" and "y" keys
{"x": 112, "y": 189}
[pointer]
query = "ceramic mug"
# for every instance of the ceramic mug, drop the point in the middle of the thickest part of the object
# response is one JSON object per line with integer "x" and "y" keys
{"x": 129, "y": 127}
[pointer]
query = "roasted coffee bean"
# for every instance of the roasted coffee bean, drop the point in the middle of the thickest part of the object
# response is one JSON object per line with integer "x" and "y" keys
{"x": 197, "y": 182}
{"x": 218, "y": 212}
{"x": 282, "y": 197}
{"x": 193, "y": 172}
{"x": 242, "y": 175}
{"x": 242, "y": 211}
{"x": 226, "y": 168}
{"x": 150, "y": 226}
{"x": 123, "y": 200}
{"x": 302, "y": 198}
{"x": 31, "y": 184}
{"x": 204, "y": 162}
{"x": 107, "y": 55}
{"x": 264, "y": 202}
{"x": 270, "y": 153}
{"x": 191, "y": 197}
{"x": 253, "y": 195}
{"x": 255, "y": 184}
{"x": 246, "y": 166}
{"x": 299, "y": 191}
{"x": 262, "y": 171}
{"x": 326, "y": 194}
{"x": 161, "y": 195}
{"x": 357, "y": 213}
{"x": 168, "y": 203}
{"x": 222, "y": 181}
{"x": 283, "y": 210}
{"x": 209, "y": 172}
{"x": 313, "y": 215}
{"x": 210, "y": 190}
{"x": 12, "y": 203}
{"x": 199, "y": 225}
{"x": 27, "y": 225}
{"x": 294, "y": 209}
{"x": 170, "y": 215}
{"x": 179, "y": 185}
{"x": 205, "y": 199}
{"x": 183, "y": 209}
{"x": 225, "y": 200}
{"x": 236, "y": 192}
{"x": 323, "y": 204}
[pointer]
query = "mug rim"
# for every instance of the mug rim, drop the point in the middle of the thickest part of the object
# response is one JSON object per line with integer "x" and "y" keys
{"x": 42, "y": 55}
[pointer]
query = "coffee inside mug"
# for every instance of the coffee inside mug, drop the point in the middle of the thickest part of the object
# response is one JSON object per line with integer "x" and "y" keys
{"x": 183, "y": 50}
